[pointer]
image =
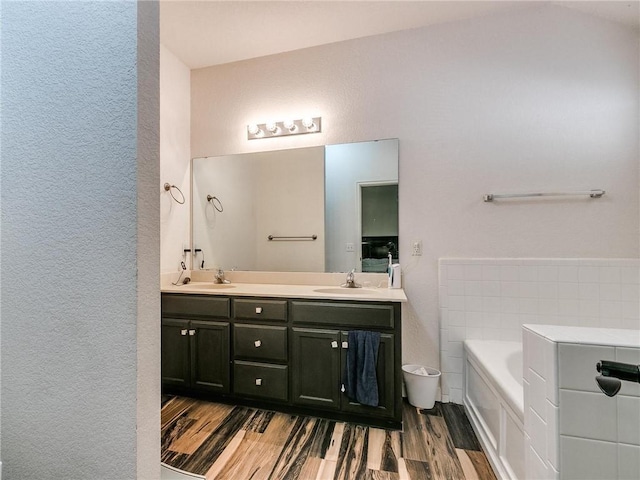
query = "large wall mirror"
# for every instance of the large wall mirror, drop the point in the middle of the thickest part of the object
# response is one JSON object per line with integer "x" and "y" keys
{"x": 318, "y": 209}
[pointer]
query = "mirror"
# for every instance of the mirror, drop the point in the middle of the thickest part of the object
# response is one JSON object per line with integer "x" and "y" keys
{"x": 316, "y": 209}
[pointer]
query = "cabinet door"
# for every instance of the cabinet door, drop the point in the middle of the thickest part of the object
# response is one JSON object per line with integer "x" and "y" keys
{"x": 385, "y": 377}
{"x": 316, "y": 367}
{"x": 210, "y": 365}
{"x": 175, "y": 352}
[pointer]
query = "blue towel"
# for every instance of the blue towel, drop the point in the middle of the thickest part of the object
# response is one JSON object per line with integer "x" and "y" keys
{"x": 360, "y": 380}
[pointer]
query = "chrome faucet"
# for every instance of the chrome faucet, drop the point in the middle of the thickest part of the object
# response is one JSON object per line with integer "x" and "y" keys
{"x": 219, "y": 277}
{"x": 351, "y": 281}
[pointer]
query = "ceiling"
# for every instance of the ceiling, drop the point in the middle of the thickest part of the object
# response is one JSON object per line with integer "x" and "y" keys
{"x": 210, "y": 32}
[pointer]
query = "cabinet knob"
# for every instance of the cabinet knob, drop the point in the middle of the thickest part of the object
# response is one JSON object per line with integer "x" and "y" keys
{"x": 257, "y": 343}
{"x": 345, "y": 344}
{"x": 183, "y": 331}
{"x": 192, "y": 332}
{"x": 258, "y": 381}
{"x": 334, "y": 344}
{"x": 258, "y": 310}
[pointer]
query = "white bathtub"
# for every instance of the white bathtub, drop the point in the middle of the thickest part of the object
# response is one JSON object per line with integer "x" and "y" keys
{"x": 493, "y": 397}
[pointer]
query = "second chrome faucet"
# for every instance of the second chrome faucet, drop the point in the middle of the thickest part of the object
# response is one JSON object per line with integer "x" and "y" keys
{"x": 219, "y": 277}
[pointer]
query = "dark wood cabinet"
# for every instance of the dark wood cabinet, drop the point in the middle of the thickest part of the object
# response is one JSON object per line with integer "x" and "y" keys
{"x": 285, "y": 354}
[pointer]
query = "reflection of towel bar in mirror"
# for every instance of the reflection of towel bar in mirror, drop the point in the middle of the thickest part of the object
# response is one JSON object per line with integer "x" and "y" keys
{"x": 493, "y": 196}
{"x": 294, "y": 238}
{"x": 215, "y": 201}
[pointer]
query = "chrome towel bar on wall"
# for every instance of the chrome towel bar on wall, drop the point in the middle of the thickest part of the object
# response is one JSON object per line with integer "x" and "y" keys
{"x": 293, "y": 238}
{"x": 490, "y": 197}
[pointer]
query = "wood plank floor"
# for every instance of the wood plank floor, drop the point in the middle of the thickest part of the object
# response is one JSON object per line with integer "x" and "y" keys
{"x": 230, "y": 442}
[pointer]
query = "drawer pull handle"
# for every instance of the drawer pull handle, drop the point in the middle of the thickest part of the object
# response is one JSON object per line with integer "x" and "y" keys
{"x": 342, "y": 389}
{"x": 345, "y": 344}
{"x": 183, "y": 331}
{"x": 334, "y": 344}
{"x": 257, "y": 343}
{"x": 258, "y": 382}
{"x": 192, "y": 332}
{"x": 258, "y": 310}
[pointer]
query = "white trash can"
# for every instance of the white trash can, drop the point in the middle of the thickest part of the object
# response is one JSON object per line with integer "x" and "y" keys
{"x": 421, "y": 384}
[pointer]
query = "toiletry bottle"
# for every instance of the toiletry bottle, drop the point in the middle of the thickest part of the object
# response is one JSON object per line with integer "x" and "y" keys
{"x": 390, "y": 272}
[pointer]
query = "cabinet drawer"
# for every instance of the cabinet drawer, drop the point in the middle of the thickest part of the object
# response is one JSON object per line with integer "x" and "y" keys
{"x": 260, "y": 380}
{"x": 181, "y": 305}
{"x": 343, "y": 314}
{"x": 260, "y": 309}
{"x": 263, "y": 342}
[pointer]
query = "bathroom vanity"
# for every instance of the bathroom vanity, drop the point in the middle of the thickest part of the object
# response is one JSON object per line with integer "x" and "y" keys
{"x": 280, "y": 347}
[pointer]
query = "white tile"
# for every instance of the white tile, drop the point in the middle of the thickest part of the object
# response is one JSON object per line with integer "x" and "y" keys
{"x": 491, "y": 304}
{"x": 491, "y": 272}
{"x": 610, "y": 309}
{"x": 569, "y": 290}
{"x": 455, "y": 272}
{"x": 630, "y": 310}
{"x": 629, "y": 292}
{"x": 473, "y": 319}
{"x": 529, "y": 306}
{"x": 510, "y": 289}
{"x": 510, "y": 320}
{"x": 473, "y": 272}
{"x": 455, "y": 287}
{"x": 589, "y": 291}
{"x": 510, "y": 335}
{"x": 490, "y": 289}
{"x": 455, "y": 349}
{"x": 509, "y": 273}
{"x": 589, "y": 308}
{"x": 475, "y": 334}
{"x": 457, "y": 334}
{"x": 628, "y": 462}
{"x": 631, "y": 324}
{"x": 629, "y": 355}
{"x": 455, "y": 395}
{"x": 587, "y": 459}
{"x": 527, "y": 273}
{"x": 491, "y": 320}
{"x": 455, "y": 380}
{"x": 609, "y": 274}
{"x": 509, "y": 305}
{"x": 630, "y": 275}
{"x": 568, "y": 307}
{"x": 548, "y": 273}
{"x": 628, "y": 420}
{"x": 551, "y": 371}
{"x": 491, "y": 333}
{"x": 442, "y": 274}
{"x": 588, "y": 415}
{"x": 567, "y": 273}
{"x": 536, "y": 468}
{"x": 547, "y": 306}
{"x": 535, "y": 350}
{"x": 537, "y": 394}
{"x": 609, "y": 291}
{"x": 588, "y": 274}
{"x": 553, "y": 436}
{"x": 473, "y": 288}
{"x": 537, "y": 430}
{"x": 452, "y": 365}
{"x": 456, "y": 302}
{"x": 456, "y": 318}
{"x": 443, "y": 297}
{"x": 528, "y": 290}
{"x": 577, "y": 365}
{"x": 548, "y": 289}
{"x": 473, "y": 304}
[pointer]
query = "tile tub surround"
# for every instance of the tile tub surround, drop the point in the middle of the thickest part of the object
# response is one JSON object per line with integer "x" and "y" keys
{"x": 491, "y": 298}
{"x": 572, "y": 430}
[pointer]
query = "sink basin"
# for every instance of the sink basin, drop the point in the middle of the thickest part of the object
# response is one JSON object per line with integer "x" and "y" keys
{"x": 346, "y": 291}
{"x": 210, "y": 286}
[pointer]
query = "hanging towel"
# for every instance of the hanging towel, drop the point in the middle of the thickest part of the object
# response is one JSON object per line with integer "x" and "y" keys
{"x": 359, "y": 376}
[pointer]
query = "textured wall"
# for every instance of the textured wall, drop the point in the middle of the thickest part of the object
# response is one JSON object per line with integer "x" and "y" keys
{"x": 545, "y": 98}
{"x": 71, "y": 278}
{"x": 175, "y": 156}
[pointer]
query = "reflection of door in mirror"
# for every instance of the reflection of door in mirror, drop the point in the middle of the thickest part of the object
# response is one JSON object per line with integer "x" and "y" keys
{"x": 379, "y": 225}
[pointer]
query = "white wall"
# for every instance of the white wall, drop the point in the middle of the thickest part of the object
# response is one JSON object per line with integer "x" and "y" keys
{"x": 545, "y": 98}
{"x": 175, "y": 156}
{"x": 80, "y": 297}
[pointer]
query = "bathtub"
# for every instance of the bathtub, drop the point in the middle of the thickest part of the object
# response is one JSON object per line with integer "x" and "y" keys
{"x": 493, "y": 397}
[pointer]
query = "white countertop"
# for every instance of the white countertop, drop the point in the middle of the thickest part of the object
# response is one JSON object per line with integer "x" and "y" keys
{"x": 616, "y": 337}
{"x": 331, "y": 292}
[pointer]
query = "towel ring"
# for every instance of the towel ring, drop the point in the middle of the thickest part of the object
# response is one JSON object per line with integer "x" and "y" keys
{"x": 168, "y": 188}
{"x": 215, "y": 201}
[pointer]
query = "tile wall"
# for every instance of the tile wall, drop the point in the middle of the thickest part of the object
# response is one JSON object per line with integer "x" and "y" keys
{"x": 573, "y": 430}
{"x": 486, "y": 298}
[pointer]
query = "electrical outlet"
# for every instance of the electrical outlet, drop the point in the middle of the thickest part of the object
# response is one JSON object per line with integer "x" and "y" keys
{"x": 416, "y": 248}
{"x": 351, "y": 247}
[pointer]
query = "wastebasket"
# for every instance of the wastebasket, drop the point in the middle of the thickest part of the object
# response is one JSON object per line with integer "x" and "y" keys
{"x": 421, "y": 384}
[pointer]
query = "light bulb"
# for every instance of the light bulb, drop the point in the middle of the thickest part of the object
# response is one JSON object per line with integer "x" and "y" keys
{"x": 289, "y": 125}
{"x": 307, "y": 122}
{"x": 272, "y": 127}
{"x": 253, "y": 129}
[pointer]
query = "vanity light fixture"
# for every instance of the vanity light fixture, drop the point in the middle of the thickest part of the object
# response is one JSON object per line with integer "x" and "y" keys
{"x": 284, "y": 128}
